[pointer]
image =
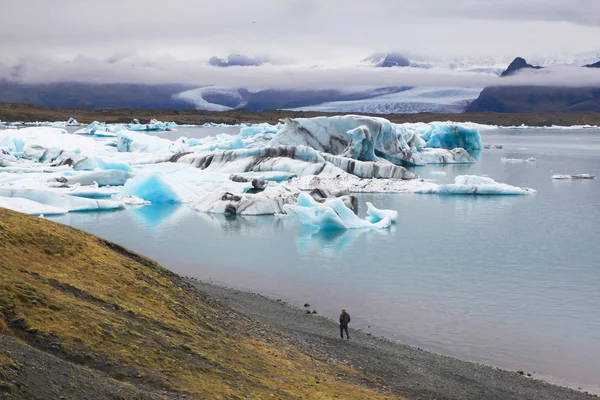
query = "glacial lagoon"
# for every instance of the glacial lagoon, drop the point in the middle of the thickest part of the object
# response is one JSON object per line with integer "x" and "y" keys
{"x": 511, "y": 281}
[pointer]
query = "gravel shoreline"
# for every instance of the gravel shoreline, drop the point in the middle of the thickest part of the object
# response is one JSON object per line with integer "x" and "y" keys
{"x": 405, "y": 371}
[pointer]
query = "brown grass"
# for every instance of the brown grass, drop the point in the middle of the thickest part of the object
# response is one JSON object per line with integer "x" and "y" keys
{"x": 122, "y": 314}
{"x": 28, "y": 112}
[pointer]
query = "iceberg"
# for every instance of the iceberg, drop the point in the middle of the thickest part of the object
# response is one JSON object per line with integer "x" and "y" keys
{"x": 156, "y": 187}
{"x": 298, "y": 160}
{"x": 333, "y": 215}
{"x": 361, "y": 146}
{"x": 29, "y": 207}
{"x": 268, "y": 202}
{"x": 100, "y": 178}
{"x": 367, "y": 138}
{"x": 443, "y": 156}
{"x": 330, "y": 135}
{"x": 133, "y": 141}
{"x": 449, "y": 136}
{"x": 576, "y": 176}
{"x": 475, "y": 185}
{"x": 506, "y": 160}
{"x": 375, "y": 215}
{"x": 61, "y": 201}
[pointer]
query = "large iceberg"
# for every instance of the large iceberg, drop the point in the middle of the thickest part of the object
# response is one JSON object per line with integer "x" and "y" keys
{"x": 366, "y": 138}
{"x": 299, "y": 160}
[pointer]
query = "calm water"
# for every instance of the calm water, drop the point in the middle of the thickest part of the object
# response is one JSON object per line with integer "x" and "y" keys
{"x": 509, "y": 281}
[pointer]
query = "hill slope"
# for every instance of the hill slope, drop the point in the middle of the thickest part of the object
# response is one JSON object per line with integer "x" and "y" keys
{"x": 537, "y": 99}
{"x": 109, "y": 323}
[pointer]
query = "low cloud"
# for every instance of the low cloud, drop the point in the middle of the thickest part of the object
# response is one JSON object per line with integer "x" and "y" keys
{"x": 133, "y": 69}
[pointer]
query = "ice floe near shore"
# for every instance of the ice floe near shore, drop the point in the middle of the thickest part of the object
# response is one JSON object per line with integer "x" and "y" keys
{"x": 308, "y": 167}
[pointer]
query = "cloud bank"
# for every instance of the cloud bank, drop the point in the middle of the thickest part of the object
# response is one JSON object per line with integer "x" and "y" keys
{"x": 168, "y": 71}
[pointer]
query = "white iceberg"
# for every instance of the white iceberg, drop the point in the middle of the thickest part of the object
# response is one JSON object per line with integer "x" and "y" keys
{"x": 507, "y": 160}
{"x": 29, "y": 207}
{"x": 268, "y": 202}
{"x": 133, "y": 141}
{"x": 475, "y": 185}
{"x": 113, "y": 177}
{"x": 60, "y": 201}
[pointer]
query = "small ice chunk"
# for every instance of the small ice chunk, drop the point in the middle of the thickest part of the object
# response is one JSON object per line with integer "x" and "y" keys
{"x": 376, "y": 215}
{"x": 507, "y": 160}
{"x": 576, "y": 176}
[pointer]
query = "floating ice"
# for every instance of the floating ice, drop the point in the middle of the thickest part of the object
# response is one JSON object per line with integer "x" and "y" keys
{"x": 61, "y": 201}
{"x": 506, "y": 160}
{"x": 334, "y": 214}
{"x": 100, "y": 178}
{"x": 365, "y": 138}
{"x": 29, "y": 207}
{"x": 375, "y": 215}
{"x": 299, "y": 160}
{"x": 268, "y": 202}
{"x": 158, "y": 188}
{"x": 131, "y": 141}
{"x": 576, "y": 176}
{"x": 443, "y": 156}
{"x": 475, "y": 185}
{"x": 453, "y": 136}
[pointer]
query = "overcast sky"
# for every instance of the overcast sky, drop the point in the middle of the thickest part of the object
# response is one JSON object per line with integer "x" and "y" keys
{"x": 172, "y": 36}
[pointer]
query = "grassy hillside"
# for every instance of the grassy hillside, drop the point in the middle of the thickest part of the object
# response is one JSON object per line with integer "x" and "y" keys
{"x": 99, "y": 306}
{"x": 27, "y": 112}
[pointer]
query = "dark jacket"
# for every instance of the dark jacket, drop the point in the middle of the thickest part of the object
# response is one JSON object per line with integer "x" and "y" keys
{"x": 344, "y": 318}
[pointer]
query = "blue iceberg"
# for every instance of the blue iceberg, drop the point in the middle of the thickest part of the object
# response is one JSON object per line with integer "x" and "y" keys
{"x": 451, "y": 137}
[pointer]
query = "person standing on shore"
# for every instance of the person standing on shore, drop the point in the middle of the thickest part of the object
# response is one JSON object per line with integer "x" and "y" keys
{"x": 344, "y": 321}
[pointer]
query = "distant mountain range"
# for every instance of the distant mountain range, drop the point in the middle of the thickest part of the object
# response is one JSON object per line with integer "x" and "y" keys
{"x": 380, "y": 100}
{"x": 518, "y": 99}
